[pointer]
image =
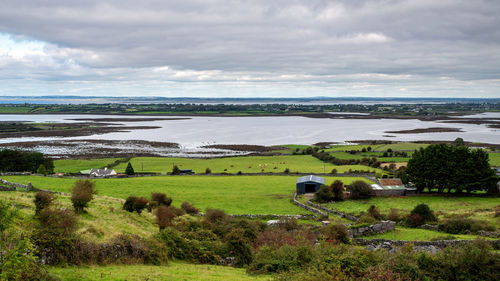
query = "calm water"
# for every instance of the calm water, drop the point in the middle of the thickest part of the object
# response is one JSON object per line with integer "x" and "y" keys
{"x": 199, "y": 131}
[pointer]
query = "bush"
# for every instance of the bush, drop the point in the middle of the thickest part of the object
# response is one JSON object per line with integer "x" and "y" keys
{"x": 129, "y": 203}
{"x": 335, "y": 233}
{"x": 215, "y": 215}
{"x": 129, "y": 170}
{"x": 333, "y": 171}
{"x": 82, "y": 193}
{"x": 360, "y": 190}
{"x": 288, "y": 223}
{"x": 160, "y": 199}
{"x": 394, "y": 215}
{"x": 237, "y": 247}
{"x": 424, "y": 213}
{"x": 176, "y": 170}
{"x": 43, "y": 199}
{"x": 42, "y": 170}
{"x": 374, "y": 212}
{"x": 55, "y": 235}
{"x": 164, "y": 217}
{"x": 461, "y": 225}
{"x": 338, "y": 190}
{"x": 208, "y": 171}
{"x": 323, "y": 195}
{"x": 286, "y": 171}
{"x": 140, "y": 204}
{"x": 188, "y": 208}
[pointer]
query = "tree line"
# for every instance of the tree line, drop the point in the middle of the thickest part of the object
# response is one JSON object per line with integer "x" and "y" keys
{"x": 25, "y": 161}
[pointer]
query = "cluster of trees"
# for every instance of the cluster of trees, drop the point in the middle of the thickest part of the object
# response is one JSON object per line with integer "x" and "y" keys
{"x": 25, "y": 161}
{"x": 337, "y": 192}
{"x": 442, "y": 167}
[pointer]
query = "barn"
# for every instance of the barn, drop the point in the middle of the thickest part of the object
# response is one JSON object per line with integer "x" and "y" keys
{"x": 309, "y": 184}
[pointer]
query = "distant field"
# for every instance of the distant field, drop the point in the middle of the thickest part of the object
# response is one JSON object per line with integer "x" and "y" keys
{"x": 175, "y": 271}
{"x": 245, "y": 164}
{"x": 234, "y": 194}
{"x": 14, "y": 109}
{"x": 400, "y": 146}
{"x": 77, "y": 165}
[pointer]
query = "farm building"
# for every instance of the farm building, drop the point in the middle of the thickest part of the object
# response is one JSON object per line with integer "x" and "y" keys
{"x": 309, "y": 184}
{"x": 102, "y": 172}
{"x": 389, "y": 187}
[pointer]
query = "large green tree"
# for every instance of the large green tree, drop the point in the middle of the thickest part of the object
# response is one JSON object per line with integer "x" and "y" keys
{"x": 457, "y": 168}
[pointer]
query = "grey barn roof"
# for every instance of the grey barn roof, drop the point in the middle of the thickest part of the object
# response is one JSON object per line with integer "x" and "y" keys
{"x": 311, "y": 178}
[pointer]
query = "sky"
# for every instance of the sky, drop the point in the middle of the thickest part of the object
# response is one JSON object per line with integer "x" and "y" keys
{"x": 254, "y": 48}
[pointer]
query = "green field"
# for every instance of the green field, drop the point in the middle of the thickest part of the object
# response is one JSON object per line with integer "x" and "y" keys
{"x": 476, "y": 207}
{"x": 416, "y": 234}
{"x": 245, "y": 164}
{"x": 404, "y": 146}
{"x": 175, "y": 271}
{"x": 233, "y": 194}
{"x": 495, "y": 159}
{"x": 77, "y": 165}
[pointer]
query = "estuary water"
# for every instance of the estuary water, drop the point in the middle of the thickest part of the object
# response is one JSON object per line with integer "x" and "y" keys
{"x": 199, "y": 131}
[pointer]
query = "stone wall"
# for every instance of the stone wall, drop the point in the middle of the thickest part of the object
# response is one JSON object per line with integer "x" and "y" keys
{"x": 335, "y": 212}
{"x": 381, "y": 227}
{"x": 17, "y": 185}
{"x": 309, "y": 208}
{"x": 397, "y": 243}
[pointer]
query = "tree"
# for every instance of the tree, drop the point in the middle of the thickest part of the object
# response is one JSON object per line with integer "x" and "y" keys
{"x": 129, "y": 170}
{"x": 338, "y": 190}
{"x": 458, "y": 168}
{"x": 424, "y": 213}
{"x": 208, "y": 171}
{"x": 43, "y": 199}
{"x": 41, "y": 170}
{"x": 360, "y": 190}
{"x": 82, "y": 193}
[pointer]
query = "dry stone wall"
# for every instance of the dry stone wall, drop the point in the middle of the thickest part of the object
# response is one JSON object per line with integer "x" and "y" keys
{"x": 335, "y": 212}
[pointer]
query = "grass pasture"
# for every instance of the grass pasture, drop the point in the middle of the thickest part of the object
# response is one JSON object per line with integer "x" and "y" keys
{"x": 495, "y": 159}
{"x": 245, "y": 164}
{"x": 233, "y": 194}
{"x": 476, "y": 207}
{"x": 77, "y": 165}
{"x": 175, "y": 271}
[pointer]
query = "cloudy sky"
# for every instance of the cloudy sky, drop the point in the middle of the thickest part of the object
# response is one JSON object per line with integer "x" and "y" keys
{"x": 231, "y": 48}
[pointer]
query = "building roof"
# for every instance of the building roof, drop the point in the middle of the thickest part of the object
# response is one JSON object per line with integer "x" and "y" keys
{"x": 102, "y": 172}
{"x": 311, "y": 178}
{"x": 391, "y": 184}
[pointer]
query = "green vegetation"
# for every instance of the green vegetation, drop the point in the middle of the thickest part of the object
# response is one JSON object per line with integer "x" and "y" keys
{"x": 417, "y": 234}
{"x": 24, "y": 161}
{"x": 245, "y": 164}
{"x": 476, "y": 207}
{"x": 175, "y": 271}
{"x": 77, "y": 165}
{"x": 233, "y": 194}
{"x": 495, "y": 159}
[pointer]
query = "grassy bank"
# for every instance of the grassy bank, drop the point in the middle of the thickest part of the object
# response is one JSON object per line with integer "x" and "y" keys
{"x": 175, "y": 271}
{"x": 77, "y": 165}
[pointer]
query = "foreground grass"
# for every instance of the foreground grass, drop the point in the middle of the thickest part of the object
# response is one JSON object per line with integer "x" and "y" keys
{"x": 174, "y": 271}
{"x": 416, "y": 234}
{"x": 77, "y": 165}
{"x": 245, "y": 164}
{"x": 233, "y": 194}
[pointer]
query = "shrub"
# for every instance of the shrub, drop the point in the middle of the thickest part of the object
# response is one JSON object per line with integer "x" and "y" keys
{"x": 394, "y": 215}
{"x": 42, "y": 170}
{"x": 43, "y": 199}
{"x": 160, "y": 199}
{"x": 374, "y": 212}
{"x": 208, "y": 171}
{"x": 237, "y": 247}
{"x": 164, "y": 217}
{"x": 55, "y": 235}
{"x": 140, "y": 204}
{"x": 286, "y": 171}
{"x": 288, "y": 223}
{"x": 333, "y": 171}
{"x": 129, "y": 170}
{"x": 323, "y": 195}
{"x": 335, "y": 233}
{"x": 215, "y": 215}
{"x": 188, "y": 208}
{"x": 426, "y": 214}
{"x": 82, "y": 193}
{"x": 360, "y": 190}
{"x": 460, "y": 225}
{"x": 176, "y": 170}
{"x": 129, "y": 203}
{"x": 414, "y": 220}
{"x": 338, "y": 190}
